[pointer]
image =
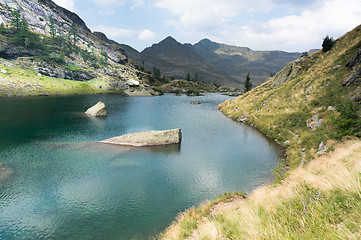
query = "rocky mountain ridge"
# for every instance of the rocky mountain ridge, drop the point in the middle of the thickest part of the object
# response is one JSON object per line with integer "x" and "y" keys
{"x": 213, "y": 62}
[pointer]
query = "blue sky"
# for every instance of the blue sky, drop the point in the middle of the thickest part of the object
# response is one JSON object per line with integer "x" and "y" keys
{"x": 288, "y": 25}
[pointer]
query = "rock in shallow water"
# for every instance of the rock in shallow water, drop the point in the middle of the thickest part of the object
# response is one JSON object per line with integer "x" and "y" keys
{"x": 151, "y": 138}
{"x": 98, "y": 110}
{"x": 5, "y": 173}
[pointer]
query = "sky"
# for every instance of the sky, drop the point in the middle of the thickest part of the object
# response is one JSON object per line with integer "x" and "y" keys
{"x": 287, "y": 25}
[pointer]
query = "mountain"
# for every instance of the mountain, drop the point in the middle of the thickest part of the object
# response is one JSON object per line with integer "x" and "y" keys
{"x": 239, "y": 61}
{"x": 177, "y": 60}
{"x": 213, "y": 62}
{"x": 56, "y": 43}
{"x": 312, "y": 108}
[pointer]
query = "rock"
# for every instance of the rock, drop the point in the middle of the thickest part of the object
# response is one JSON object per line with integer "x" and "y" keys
{"x": 98, "y": 110}
{"x": 242, "y": 118}
{"x": 331, "y": 108}
{"x": 50, "y": 71}
{"x": 356, "y": 59}
{"x": 322, "y": 149}
{"x": 6, "y": 63}
{"x": 314, "y": 122}
{"x": 5, "y": 173}
{"x": 132, "y": 82}
{"x": 195, "y": 102}
{"x": 355, "y": 77}
{"x": 40, "y": 75}
{"x": 4, "y": 71}
{"x": 151, "y": 138}
{"x": 290, "y": 71}
{"x": 142, "y": 93}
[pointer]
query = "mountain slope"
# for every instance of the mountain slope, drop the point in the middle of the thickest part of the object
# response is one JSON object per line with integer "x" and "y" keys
{"x": 239, "y": 61}
{"x": 176, "y": 59}
{"x": 308, "y": 107}
{"x": 308, "y": 102}
{"x": 213, "y": 62}
{"x": 73, "y": 52}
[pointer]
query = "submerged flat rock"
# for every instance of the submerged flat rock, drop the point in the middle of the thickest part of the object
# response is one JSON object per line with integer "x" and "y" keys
{"x": 151, "y": 138}
{"x": 5, "y": 173}
{"x": 98, "y": 110}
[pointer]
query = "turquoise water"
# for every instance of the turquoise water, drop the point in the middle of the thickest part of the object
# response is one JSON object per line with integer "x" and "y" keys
{"x": 67, "y": 186}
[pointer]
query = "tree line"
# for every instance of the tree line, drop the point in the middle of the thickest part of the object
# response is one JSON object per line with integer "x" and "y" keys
{"x": 53, "y": 48}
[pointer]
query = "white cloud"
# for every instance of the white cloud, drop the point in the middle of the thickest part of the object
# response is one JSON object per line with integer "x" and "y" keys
{"x": 295, "y": 25}
{"x": 121, "y": 33}
{"x": 114, "y": 32}
{"x": 137, "y": 3}
{"x": 113, "y": 3}
{"x": 68, "y": 4}
{"x": 299, "y": 32}
{"x": 106, "y": 3}
{"x": 205, "y": 15}
{"x": 147, "y": 35}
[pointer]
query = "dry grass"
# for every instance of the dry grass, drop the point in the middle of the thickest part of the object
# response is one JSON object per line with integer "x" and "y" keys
{"x": 319, "y": 199}
{"x": 302, "y": 198}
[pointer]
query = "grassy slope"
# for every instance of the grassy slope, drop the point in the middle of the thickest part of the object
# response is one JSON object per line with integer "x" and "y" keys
{"x": 23, "y": 82}
{"x": 318, "y": 200}
{"x": 282, "y": 112}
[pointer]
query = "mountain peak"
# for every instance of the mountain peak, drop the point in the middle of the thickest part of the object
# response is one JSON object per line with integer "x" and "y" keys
{"x": 169, "y": 40}
{"x": 208, "y": 44}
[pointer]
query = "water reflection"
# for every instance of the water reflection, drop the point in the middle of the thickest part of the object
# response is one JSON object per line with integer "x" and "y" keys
{"x": 69, "y": 186}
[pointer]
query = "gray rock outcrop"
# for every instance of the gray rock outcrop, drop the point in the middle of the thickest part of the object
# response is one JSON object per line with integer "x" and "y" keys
{"x": 151, "y": 138}
{"x": 356, "y": 59}
{"x": 322, "y": 149}
{"x": 355, "y": 77}
{"x": 98, "y": 110}
{"x": 47, "y": 70}
{"x": 290, "y": 71}
{"x": 314, "y": 122}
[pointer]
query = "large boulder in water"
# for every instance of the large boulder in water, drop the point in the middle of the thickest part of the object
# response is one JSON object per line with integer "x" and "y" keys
{"x": 5, "y": 173}
{"x": 151, "y": 138}
{"x": 98, "y": 110}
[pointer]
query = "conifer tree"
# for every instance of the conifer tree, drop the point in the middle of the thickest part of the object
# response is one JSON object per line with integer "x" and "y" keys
{"x": 196, "y": 78}
{"x": 52, "y": 26}
{"x": 156, "y": 73}
{"x": 327, "y": 44}
{"x": 247, "y": 83}
{"x": 16, "y": 20}
{"x": 2, "y": 28}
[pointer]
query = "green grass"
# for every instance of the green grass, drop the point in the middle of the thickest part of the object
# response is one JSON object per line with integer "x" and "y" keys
{"x": 24, "y": 82}
{"x": 318, "y": 199}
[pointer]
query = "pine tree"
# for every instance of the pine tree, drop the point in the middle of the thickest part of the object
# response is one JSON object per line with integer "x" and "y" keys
{"x": 247, "y": 83}
{"x": 74, "y": 33}
{"x": 196, "y": 78}
{"x": 157, "y": 74}
{"x": 16, "y": 20}
{"x": 188, "y": 77}
{"x": 52, "y": 26}
{"x": 327, "y": 44}
{"x": 2, "y": 28}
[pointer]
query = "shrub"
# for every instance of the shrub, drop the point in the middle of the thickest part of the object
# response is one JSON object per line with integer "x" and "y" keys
{"x": 328, "y": 43}
{"x": 73, "y": 68}
{"x": 349, "y": 122}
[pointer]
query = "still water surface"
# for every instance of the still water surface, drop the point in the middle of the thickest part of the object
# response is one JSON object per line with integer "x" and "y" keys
{"x": 67, "y": 186}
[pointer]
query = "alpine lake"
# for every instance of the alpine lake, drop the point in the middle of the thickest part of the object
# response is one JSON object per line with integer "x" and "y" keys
{"x": 67, "y": 186}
